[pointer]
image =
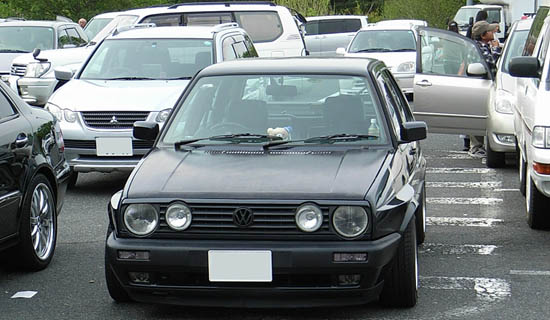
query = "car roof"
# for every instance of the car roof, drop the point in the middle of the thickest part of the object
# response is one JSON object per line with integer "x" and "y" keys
{"x": 334, "y": 17}
{"x": 404, "y": 23}
{"x": 107, "y": 15}
{"x": 292, "y": 65}
{"x": 195, "y": 32}
{"x": 35, "y": 23}
{"x": 376, "y": 26}
{"x": 204, "y": 6}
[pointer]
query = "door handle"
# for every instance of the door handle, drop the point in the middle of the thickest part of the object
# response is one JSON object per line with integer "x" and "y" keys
{"x": 21, "y": 140}
{"x": 424, "y": 83}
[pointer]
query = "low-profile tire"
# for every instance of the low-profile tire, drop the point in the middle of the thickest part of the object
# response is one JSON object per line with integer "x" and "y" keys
{"x": 537, "y": 204}
{"x": 494, "y": 159}
{"x": 522, "y": 168}
{"x": 116, "y": 291}
{"x": 72, "y": 179}
{"x": 37, "y": 227}
{"x": 420, "y": 220}
{"x": 401, "y": 279}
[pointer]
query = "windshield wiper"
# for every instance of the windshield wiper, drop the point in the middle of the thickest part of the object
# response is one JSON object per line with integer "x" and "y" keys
{"x": 234, "y": 138}
{"x": 13, "y": 51}
{"x": 131, "y": 78}
{"x": 342, "y": 137}
{"x": 374, "y": 50}
{"x": 180, "y": 78}
{"x": 403, "y": 50}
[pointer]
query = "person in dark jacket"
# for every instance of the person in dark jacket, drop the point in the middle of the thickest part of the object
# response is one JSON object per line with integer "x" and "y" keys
{"x": 480, "y": 16}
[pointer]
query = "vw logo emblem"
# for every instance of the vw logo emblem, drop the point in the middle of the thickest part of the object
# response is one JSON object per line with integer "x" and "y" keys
{"x": 113, "y": 120}
{"x": 243, "y": 217}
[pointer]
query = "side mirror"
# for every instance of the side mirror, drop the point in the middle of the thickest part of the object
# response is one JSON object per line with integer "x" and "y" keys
{"x": 414, "y": 131}
{"x": 341, "y": 51}
{"x": 35, "y": 54}
{"x": 146, "y": 130}
{"x": 524, "y": 67}
{"x": 476, "y": 69}
{"x": 63, "y": 73}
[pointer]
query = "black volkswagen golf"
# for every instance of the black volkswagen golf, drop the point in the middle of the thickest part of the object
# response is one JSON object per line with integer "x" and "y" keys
{"x": 275, "y": 183}
{"x": 33, "y": 180}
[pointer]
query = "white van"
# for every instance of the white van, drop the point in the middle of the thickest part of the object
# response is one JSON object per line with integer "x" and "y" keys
{"x": 532, "y": 120}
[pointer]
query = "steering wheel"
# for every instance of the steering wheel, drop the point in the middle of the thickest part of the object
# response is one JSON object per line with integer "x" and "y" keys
{"x": 229, "y": 127}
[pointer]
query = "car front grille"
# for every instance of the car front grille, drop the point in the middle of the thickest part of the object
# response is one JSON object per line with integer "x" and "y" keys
{"x": 269, "y": 220}
{"x": 113, "y": 119}
{"x": 18, "y": 70}
{"x": 90, "y": 144}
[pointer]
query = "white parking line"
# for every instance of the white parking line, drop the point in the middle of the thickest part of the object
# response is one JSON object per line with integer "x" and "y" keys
{"x": 453, "y": 184}
{"x": 462, "y": 222}
{"x": 462, "y": 249}
{"x": 530, "y": 273}
{"x": 460, "y": 170}
{"x": 487, "y": 289}
{"x": 476, "y": 201}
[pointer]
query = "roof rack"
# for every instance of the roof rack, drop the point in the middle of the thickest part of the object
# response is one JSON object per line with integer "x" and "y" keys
{"x": 222, "y": 26}
{"x": 133, "y": 26}
{"x": 225, "y": 3}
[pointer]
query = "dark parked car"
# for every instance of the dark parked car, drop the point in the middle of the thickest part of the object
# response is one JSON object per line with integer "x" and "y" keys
{"x": 33, "y": 180}
{"x": 275, "y": 182}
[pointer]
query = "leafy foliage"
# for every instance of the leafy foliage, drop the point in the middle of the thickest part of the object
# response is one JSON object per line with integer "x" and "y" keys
{"x": 436, "y": 12}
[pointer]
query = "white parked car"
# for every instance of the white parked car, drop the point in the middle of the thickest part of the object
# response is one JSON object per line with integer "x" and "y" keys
{"x": 532, "y": 120}
{"x": 500, "y": 107}
{"x": 273, "y": 29}
{"x": 98, "y": 22}
{"x": 325, "y": 34}
{"x": 392, "y": 41}
{"x": 134, "y": 75}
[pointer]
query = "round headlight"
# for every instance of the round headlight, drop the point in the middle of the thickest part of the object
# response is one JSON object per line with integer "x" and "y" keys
{"x": 309, "y": 218}
{"x": 178, "y": 216}
{"x": 163, "y": 115}
{"x": 350, "y": 221}
{"x": 70, "y": 116}
{"x": 141, "y": 219}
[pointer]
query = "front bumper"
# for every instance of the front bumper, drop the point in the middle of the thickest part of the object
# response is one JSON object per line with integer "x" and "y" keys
{"x": 36, "y": 91}
{"x": 303, "y": 273}
{"x": 542, "y": 181}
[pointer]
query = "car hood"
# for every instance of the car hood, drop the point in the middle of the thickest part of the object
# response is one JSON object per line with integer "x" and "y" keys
{"x": 57, "y": 57}
{"x": 241, "y": 174}
{"x": 94, "y": 95}
{"x": 6, "y": 59}
{"x": 391, "y": 59}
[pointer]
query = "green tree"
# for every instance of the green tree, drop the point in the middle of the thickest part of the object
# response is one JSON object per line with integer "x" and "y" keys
{"x": 436, "y": 12}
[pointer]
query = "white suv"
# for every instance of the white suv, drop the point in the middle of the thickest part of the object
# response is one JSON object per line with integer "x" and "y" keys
{"x": 325, "y": 34}
{"x": 273, "y": 29}
{"x": 532, "y": 120}
{"x": 134, "y": 75}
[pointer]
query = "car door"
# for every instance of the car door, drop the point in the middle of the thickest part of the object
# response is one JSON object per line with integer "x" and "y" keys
{"x": 14, "y": 138}
{"x": 337, "y": 33}
{"x": 312, "y": 37}
{"x": 450, "y": 86}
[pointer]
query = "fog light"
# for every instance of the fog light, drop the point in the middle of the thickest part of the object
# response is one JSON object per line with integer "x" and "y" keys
{"x": 349, "y": 257}
{"x": 133, "y": 255}
{"x": 139, "y": 277}
{"x": 349, "y": 279}
{"x": 541, "y": 168}
{"x": 506, "y": 138}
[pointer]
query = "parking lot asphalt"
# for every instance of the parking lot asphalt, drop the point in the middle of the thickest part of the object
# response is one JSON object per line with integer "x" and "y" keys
{"x": 480, "y": 259}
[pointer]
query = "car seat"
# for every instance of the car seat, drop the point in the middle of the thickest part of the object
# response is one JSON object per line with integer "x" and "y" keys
{"x": 251, "y": 114}
{"x": 344, "y": 114}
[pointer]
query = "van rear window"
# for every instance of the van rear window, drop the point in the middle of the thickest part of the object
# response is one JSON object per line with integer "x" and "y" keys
{"x": 262, "y": 26}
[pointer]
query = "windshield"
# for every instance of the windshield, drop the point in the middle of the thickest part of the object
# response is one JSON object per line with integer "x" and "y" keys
{"x": 26, "y": 39}
{"x": 304, "y": 109}
{"x": 383, "y": 40}
{"x": 118, "y": 21}
{"x": 463, "y": 15}
{"x": 154, "y": 59}
{"x": 95, "y": 25}
{"x": 514, "y": 47}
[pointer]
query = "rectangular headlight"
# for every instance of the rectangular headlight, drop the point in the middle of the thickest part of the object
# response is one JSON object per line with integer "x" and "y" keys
{"x": 539, "y": 137}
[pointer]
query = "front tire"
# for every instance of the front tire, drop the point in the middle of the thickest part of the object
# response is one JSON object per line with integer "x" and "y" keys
{"x": 420, "y": 220}
{"x": 401, "y": 280}
{"x": 537, "y": 204}
{"x": 522, "y": 165}
{"x": 494, "y": 159}
{"x": 37, "y": 227}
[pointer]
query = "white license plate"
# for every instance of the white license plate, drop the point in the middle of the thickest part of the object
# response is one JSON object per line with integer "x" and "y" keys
{"x": 239, "y": 266}
{"x": 112, "y": 147}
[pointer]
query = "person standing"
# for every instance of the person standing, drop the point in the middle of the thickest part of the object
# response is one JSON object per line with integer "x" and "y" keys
{"x": 82, "y": 22}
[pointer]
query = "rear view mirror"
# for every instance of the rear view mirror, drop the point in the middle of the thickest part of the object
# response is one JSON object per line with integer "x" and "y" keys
{"x": 476, "y": 69}
{"x": 281, "y": 91}
{"x": 341, "y": 51}
{"x": 146, "y": 130}
{"x": 63, "y": 73}
{"x": 524, "y": 67}
{"x": 414, "y": 131}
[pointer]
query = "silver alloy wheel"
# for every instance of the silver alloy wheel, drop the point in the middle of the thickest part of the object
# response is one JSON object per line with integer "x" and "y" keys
{"x": 42, "y": 221}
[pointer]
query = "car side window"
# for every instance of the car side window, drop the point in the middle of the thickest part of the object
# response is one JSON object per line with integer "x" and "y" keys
{"x": 400, "y": 102}
{"x": 63, "y": 38}
{"x": 165, "y": 20}
{"x": 544, "y": 48}
{"x": 6, "y": 108}
{"x": 390, "y": 102}
{"x": 250, "y": 46}
{"x": 227, "y": 49}
{"x": 447, "y": 55}
{"x": 207, "y": 18}
{"x": 312, "y": 28}
{"x": 75, "y": 38}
